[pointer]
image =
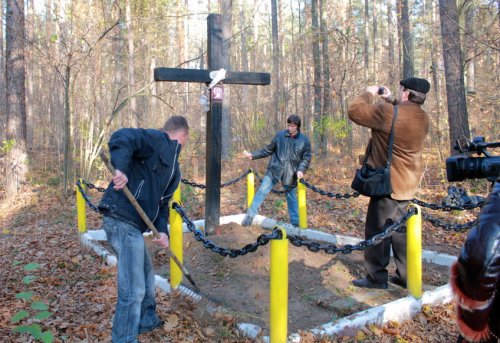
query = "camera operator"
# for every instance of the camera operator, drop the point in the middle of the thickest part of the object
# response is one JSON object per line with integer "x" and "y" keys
{"x": 410, "y": 129}
{"x": 475, "y": 277}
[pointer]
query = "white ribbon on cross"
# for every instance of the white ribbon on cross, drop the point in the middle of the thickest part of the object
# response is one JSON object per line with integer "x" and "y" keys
{"x": 216, "y": 76}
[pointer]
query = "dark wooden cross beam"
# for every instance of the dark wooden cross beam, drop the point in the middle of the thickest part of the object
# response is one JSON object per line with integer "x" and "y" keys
{"x": 216, "y": 52}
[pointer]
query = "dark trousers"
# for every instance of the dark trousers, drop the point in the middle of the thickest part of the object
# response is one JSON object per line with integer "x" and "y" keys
{"x": 377, "y": 257}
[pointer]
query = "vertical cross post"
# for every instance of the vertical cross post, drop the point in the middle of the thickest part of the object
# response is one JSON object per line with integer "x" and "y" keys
{"x": 214, "y": 128}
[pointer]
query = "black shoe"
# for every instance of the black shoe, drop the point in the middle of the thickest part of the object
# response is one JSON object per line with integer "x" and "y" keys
{"x": 397, "y": 281}
{"x": 247, "y": 220}
{"x": 158, "y": 325}
{"x": 365, "y": 283}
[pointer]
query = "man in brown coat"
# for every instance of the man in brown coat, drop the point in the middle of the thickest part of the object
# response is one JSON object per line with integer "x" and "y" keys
{"x": 410, "y": 130}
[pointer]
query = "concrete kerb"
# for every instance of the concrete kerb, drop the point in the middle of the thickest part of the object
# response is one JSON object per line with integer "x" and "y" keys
{"x": 398, "y": 310}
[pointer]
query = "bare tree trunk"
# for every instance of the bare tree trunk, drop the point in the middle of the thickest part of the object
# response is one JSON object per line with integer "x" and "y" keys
{"x": 294, "y": 67}
{"x": 458, "y": 118}
{"x": 276, "y": 62}
{"x": 67, "y": 131}
{"x": 390, "y": 39}
{"x": 305, "y": 75}
{"x": 29, "y": 75}
{"x": 374, "y": 70}
{"x": 318, "y": 116}
{"x": 17, "y": 164}
{"x": 327, "y": 92}
{"x": 3, "y": 100}
{"x": 366, "y": 53}
{"x": 135, "y": 118}
{"x": 227, "y": 29}
{"x": 408, "y": 68}
{"x": 470, "y": 46}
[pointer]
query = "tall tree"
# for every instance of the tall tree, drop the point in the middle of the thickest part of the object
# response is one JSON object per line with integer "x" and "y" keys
{"x": 366, "y": 52}
{"x": 227, "y": 29}
{"x": 374, "y": 40}
{"x": 407, "y": 43}
{"x": 390, "y": 40}
{"x": 276, "y": 61}
{"x": 469, "y": 45}
{"x": 3, "y": 114}
{"x": 318, "y": 115}
{"x": 135, "y": 118}
{"x": 17, "y": 164}
{"x": 325, "y": 53}
{"x": 458, "y": 118}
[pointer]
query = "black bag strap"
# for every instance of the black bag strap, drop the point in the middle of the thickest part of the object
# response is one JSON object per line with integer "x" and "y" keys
{"x": 391, "y": 140}
{"x": 391, "y": 136}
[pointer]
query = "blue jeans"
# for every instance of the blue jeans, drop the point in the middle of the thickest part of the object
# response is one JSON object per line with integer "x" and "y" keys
{"x": 136, "y": 306}
{"x": 291, "y": 199}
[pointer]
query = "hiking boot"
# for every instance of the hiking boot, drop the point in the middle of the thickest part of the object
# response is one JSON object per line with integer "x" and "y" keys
{"x": 365, "y": 283}
{"x": 158, "y": 325}
{"x": 247, "y": 220}
{"x": 397, "y": 281}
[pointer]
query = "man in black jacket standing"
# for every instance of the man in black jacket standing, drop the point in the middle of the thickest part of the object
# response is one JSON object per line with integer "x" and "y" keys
{"x": 147, "y": 161}
{"x": 290, "y": 152}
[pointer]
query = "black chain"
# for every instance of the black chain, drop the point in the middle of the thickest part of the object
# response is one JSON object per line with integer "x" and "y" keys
{"x": 449, "y": 227}
{"x": 272, "y": 190}
{"x": 348, "y": 248}
{"x": 331, "y": 195}
{"x": 448, "y": 208}
{"x": 85, "y": 196}
{"x": 199, "y": 236}
{"x": 229, "y": 183}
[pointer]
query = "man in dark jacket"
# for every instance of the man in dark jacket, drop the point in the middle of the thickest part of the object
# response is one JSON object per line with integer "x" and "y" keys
{"x": 475, "y": 277}
{"x": 290, "y": 152}
{"x": 410, "y": 129}
{"x": 147, "y": 162}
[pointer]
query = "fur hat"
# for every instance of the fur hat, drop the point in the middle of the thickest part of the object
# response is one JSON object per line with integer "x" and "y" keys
{"x": 416, "y": 84}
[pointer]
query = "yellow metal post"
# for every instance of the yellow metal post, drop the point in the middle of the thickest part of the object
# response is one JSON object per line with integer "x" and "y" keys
{"x": 80, "y": 209}
{"x": 250, "y": 188}
{"x": 175, "y": 240}
{"x": 301, "y": 194}
{"x": 414, "y": 253}
{"x": 279, "y": 290}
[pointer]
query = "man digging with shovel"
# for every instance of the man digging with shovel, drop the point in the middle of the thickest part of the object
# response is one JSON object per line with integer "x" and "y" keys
{"x": 147, "y": 163}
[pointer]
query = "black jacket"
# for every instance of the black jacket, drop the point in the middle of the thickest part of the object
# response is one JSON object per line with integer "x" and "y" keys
{"x": 150, "y": 159}
{"x": 288, "y": 155}
{"x": 475, "y": 277}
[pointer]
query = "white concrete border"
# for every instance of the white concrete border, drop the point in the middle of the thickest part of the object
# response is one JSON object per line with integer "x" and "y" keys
{"x": 398, "y": 310}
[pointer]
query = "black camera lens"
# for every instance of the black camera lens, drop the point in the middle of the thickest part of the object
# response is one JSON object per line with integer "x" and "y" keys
{"x": 381, "y": 90}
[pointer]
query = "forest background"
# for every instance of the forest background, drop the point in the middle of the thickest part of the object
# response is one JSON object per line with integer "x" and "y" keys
{"x": 73, "y": 71}
{"x": 77, "y": 70}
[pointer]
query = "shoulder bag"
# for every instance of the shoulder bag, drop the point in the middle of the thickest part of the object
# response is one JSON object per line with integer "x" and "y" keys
{"x": 376, "y": 182}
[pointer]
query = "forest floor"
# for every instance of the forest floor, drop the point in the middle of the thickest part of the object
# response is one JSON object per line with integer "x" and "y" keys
{"x": 79, "y": 288}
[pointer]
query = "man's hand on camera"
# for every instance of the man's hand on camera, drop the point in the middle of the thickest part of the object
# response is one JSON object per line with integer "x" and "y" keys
{"x": 387, "y": 93}
{"x": 162, "y": 240}
{"x": 300, "y": 175}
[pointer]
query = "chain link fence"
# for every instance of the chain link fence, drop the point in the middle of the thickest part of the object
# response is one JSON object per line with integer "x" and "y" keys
{"x": 434, "y": 221}
{"x": 298, "y": 241}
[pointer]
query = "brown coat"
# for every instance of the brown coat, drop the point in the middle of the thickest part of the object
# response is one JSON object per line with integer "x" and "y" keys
{"x": 410, "y": 130}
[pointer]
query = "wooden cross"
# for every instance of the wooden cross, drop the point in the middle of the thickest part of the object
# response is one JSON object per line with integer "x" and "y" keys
{"x": 214, "y": 115}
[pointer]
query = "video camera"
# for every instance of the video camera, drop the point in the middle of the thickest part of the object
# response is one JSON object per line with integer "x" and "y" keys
{"x": 464, "y": 166}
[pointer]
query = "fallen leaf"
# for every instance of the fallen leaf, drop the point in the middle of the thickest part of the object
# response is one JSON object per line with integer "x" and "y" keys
{"x": 171, "y": 322}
